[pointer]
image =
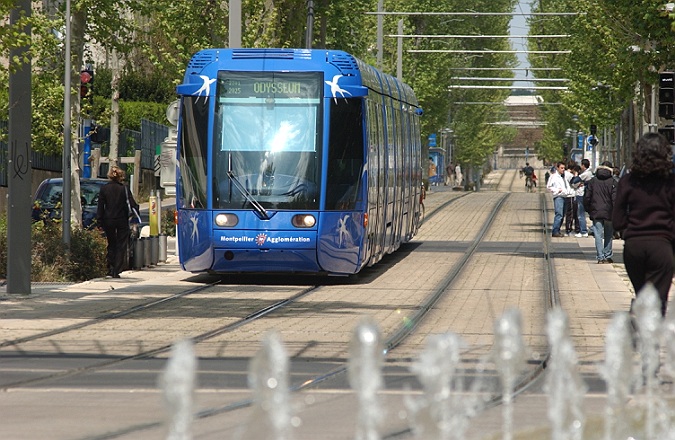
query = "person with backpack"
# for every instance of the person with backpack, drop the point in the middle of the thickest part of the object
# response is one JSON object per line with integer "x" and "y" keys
{"x": 599, "y": 196}
{"x": 528, "y": 171}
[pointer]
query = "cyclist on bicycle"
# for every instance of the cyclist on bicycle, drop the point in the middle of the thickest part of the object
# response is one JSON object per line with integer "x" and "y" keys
{"x": 529, "y": 173}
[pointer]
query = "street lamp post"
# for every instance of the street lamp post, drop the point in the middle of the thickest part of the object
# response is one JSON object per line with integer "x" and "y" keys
{"x": 67, "y": 133}
{"x": 569, "y": 142}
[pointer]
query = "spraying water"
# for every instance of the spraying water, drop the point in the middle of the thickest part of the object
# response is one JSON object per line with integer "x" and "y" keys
{"x": 439, "y": 414}
{"x": 178, "y": 383}
{"x": 669, "y": 345}
{"x": 617, "y": 371}
{"x": 366, "y": 356}
{"x": 509, "y": 356}
{"x": 565, "y": 387}
{"x": 268, "y": 378}
{"x": 647, "y": 311}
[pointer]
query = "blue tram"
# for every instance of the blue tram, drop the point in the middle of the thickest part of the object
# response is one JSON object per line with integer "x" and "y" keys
{"x": 294, "y": 160}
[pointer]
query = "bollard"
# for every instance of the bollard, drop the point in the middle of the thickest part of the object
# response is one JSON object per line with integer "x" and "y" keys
{"x": 162, "y": 248}
{"x": 146, "y": 252}
{"x": 138, "y": 254}
{"x": 154, "y": 250}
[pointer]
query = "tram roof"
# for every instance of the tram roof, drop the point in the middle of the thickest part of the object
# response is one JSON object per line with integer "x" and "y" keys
{"x": 331, "y": 62}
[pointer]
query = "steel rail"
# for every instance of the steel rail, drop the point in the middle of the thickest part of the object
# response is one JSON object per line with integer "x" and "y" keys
{"x": 106, "y": 317}
{"x": 552, "y": 300}
{"x": 270, "y": 308}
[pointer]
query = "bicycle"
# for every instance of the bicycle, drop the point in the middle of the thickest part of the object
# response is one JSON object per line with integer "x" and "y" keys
{"x": 529, "y": 184}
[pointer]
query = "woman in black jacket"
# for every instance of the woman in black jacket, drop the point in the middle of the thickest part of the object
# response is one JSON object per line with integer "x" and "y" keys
{"x": 644, "y": 210}
{"x": 114, "y": 207}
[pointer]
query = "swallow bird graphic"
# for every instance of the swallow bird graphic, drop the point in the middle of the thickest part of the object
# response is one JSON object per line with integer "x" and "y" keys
{"x": 206, "y": 87}
{"x": 343, "y": 233}
{"x": 195, "y": 232}
{"x": 335, "y": 88}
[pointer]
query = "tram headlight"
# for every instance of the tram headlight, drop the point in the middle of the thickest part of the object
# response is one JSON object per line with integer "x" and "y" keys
{"x": 226, "y": 220}
{"x": 303, "y": 221}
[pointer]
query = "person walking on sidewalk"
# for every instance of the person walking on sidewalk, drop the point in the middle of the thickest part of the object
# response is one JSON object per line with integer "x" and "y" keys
{"x": 571, "y": 220}
{"x": 577, "y": 184}
{"x": 115, "y": 203}
{"x": 586, "y": 175}
{"x": 645, "y": 210}
{"x": 449, "y": 175}
{"x": 599, "y": 197}
{"x": 557, "y": 185}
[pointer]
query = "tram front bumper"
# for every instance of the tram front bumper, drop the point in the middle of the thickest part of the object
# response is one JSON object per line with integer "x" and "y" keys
{"x": 265, "y": 260}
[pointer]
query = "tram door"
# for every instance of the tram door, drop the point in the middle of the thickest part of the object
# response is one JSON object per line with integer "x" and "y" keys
{"x": 375, "y": 208}
{"x": 390, "y": 158}
{"x": 401, "y": 201}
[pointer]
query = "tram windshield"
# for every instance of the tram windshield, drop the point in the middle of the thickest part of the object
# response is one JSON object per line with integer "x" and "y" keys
{"x": 267, "y": 140}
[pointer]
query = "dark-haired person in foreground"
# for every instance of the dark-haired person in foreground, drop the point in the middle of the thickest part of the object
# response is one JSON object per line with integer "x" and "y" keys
{"x": 644, "y": 210}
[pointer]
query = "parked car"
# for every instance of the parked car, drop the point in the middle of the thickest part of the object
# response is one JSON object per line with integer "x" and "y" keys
{"x": 48, "y": 200}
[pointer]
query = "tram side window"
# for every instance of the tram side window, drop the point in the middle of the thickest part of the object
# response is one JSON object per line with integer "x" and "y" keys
{"x": 193, "y": 151}
{"x": 345, "y": 154}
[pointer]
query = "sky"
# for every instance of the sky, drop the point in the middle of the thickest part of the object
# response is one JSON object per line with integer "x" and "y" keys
{"x": 518, "y": 26}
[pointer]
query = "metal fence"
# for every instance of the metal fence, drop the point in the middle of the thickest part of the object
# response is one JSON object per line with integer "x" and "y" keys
{"x": 147, "y": 140}
{"x": 152, "y": 135}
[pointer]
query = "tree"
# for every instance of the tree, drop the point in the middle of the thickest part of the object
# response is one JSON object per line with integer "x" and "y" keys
{"x": 617, "y": 48}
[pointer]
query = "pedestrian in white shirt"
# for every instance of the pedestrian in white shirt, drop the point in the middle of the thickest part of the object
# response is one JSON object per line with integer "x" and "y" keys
{"x": 560, "y": 189}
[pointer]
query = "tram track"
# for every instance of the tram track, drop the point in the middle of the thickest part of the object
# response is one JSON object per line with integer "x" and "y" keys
{"x": 399, "y": 335}
{"x": 391, "y": 341}
{"x": 261, "y": 312}
{"x": 551, "y": 297}
{"x": 143, "y": 307}
{"x": 105, "y": 317}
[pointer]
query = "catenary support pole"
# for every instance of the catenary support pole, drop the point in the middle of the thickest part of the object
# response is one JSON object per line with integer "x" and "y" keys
{"x": 235, "y": 24}
{"x": 399, "y": 53}
{"x": 67, "y": 139}
{"x": 19, "y": 171}
{"x": 309, "y": 34}
{"x": 380, "y": 33}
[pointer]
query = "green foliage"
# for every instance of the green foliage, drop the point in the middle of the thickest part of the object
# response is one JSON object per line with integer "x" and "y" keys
{"x": 48, "y": 260}
{"x": 131, "y": 114}
{"x": 136, "y": 86}
{"x": 617, "y": 47}
{"x": 168, "y": 223}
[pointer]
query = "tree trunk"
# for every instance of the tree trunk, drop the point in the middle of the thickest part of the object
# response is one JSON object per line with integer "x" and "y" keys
{"x": 78, "y": 24}
{"x": 115, "y": 107}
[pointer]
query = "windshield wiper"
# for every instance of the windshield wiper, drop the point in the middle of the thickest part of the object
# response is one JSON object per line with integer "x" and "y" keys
{"x": 262, "y": 213}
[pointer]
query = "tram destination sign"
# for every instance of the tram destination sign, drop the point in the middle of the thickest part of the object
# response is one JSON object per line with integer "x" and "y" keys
{"x": 277, "y": 86}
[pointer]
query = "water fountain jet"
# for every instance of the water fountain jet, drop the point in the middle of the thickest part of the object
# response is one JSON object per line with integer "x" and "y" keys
{"x": 178, "y": 383}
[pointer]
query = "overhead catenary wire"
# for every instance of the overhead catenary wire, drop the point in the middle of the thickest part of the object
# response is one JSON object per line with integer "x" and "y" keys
{"x": 457, "y": 86}
{"x": 488, "y": 51}
{"x": 476, "y": 14}
{"x": 479, "y": 78}
{"x": 505, "y": 68}
{"x": 474, "y": 36}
